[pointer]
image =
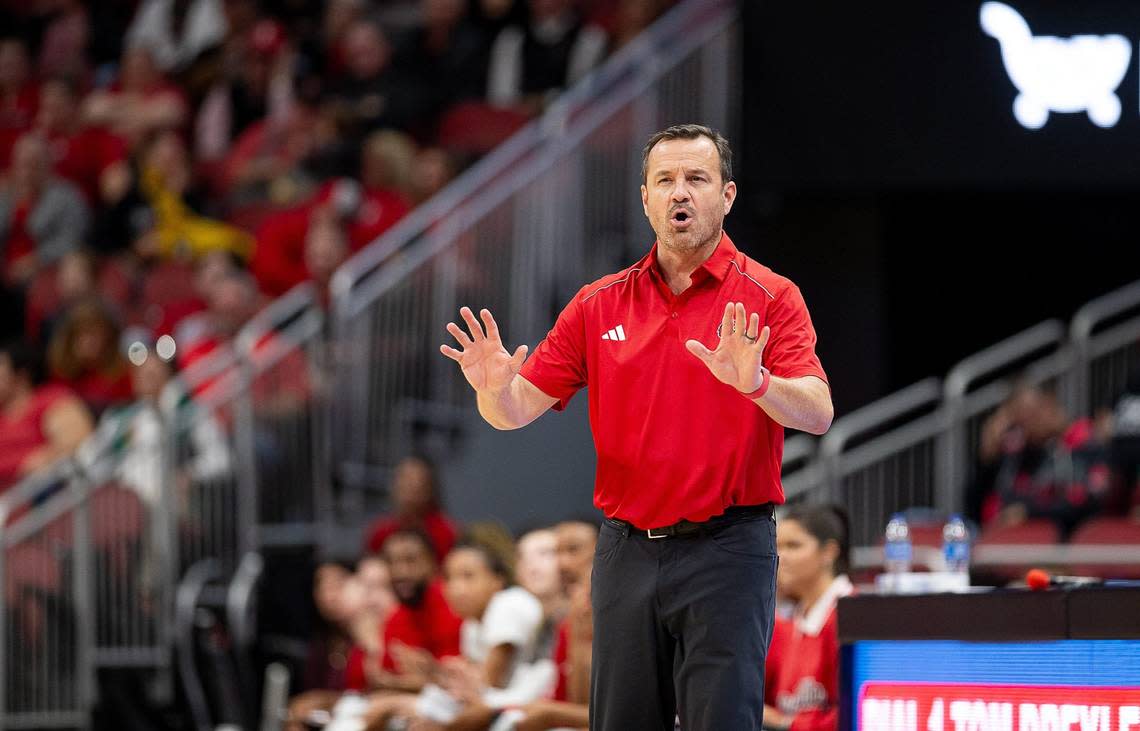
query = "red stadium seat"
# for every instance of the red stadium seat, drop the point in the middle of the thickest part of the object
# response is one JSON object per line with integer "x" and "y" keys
{"x": 118, "y": 520}
{"x": 30, "y": 566}
{"x": 1029, "y": 533}
{"x": 477, "y": 128}
{"x": 1108, "y": 532}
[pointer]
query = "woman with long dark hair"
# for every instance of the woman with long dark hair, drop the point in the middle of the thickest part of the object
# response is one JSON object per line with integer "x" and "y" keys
{"x": 802, "y": 670}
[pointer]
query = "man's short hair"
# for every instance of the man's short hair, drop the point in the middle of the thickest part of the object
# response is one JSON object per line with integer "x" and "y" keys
{"x": 690, "y": 132}
{"x": 416, "y": 535}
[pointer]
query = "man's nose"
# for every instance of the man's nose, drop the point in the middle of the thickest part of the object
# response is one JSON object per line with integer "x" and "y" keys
{"x": 680, "y": 192}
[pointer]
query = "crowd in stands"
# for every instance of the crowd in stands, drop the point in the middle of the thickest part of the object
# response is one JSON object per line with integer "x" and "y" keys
{"x": 494, "y": 633}
{"x": 169, "y": 166}
{"x": 1038, "y": 463}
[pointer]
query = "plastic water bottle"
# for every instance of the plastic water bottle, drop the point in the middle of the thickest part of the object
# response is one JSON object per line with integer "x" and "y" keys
{"x": 897, "y": 548}
{"x": 956, "y": 545}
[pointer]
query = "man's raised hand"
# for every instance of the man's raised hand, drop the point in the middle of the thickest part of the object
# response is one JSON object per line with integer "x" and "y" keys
{"x": 739, "y": 354}
{"x": 484, "y": 361}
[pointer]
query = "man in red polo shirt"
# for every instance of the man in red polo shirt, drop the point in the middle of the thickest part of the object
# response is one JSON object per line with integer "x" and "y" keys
{"x": 696, "y": 359}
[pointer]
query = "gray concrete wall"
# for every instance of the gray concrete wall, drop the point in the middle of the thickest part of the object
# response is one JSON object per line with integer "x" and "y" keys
{"x": 535, "y": 475}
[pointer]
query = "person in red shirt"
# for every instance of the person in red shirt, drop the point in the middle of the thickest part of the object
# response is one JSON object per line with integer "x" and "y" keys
{"x": 696, "y": 359}
{"x": 802, "y": 670}
{"x": 415, "y": 504}
{"x": 423, "y": 627}
{"x": 38, "y": 423}
{"x": 141, "y": 102}
{"x": 19, "y": 95}
{"x": 84, "y": 355}
{"x": 89, "y": 156}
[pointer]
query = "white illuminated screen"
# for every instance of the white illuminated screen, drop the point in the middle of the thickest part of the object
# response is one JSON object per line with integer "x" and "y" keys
{"x": 1075, "y": 74}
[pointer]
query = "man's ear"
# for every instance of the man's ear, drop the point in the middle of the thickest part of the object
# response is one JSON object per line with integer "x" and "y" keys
{"x": 645, "y": 200}
{"x": 729, "y": 195}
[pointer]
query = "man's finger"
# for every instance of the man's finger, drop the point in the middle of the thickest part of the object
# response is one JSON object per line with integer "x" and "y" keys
{"x": 459, "y": 335}
{"x": 472, "y": 324}
{"x": 726, "y": 322}
{"x": 452, "y": 353}
{"x": 697, "y": 348}
{"x": 764, "y": 334}
{"x": 492, "y": 326}
{"x": 518, "y": 358}
{"x": 753, "y": 327}
{"x": 739, "y": 319}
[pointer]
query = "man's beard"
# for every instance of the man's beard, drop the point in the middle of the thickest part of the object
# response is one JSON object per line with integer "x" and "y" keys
{"x": 690, "y": 241}
{"x": 415, "y": 598}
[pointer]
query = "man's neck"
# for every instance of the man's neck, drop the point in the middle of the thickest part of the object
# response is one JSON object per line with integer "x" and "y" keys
{"x": 678, "y": 266}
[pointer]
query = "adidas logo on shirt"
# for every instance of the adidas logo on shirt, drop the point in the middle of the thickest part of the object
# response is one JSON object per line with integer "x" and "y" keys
{"x": 614, "y": 334}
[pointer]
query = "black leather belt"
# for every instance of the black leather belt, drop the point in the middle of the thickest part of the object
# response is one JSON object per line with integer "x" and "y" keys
{"x": 734, "y": 514}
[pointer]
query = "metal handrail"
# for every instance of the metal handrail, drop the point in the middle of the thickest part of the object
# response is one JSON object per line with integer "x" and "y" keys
{"x": 912, "y": 398}
{"x": 1104, "y": 308}
{"x": 963, "y": 375}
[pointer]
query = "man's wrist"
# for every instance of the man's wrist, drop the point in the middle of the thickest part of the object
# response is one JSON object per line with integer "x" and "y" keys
{"x": 765, "y": 382}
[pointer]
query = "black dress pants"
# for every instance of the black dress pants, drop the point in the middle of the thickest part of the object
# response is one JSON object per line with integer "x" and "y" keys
{"x": 682, "y": 626}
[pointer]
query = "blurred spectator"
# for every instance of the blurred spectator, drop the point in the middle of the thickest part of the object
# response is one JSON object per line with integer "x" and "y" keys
{"x": 801, "y": 685}
{"x": 631, "y": 18}
{"x": 573, "y": 651}
{"x": 377, "y": 605}
{"x": 424, "y": 627}
{"x": 63, "y": 46}
{"x": 85, "y": 355}
{"x": 39, "y": 423}
{"x": 134, "y": 432}
{"x": 140, "y": 103}
{"x": 433, "y": 170}
{"x": 211, "y": 269}
{"x": 500, "y": 622}
{"x": 90, "y": 157}
{"x": 177, "y": 31}
{"x": 233, "y": 299}
{"x": 328, "y": 651}
{"x": 1035, "y": 463}
{"x": 270, "y": 161}
{"x": 74, "y": 281}
{"x": 362, "y": 211}
{"x": 1124, "y": 447}
{"x": 533, "y": 62}
{"x": 387, "y": 160}
{"x": 372, "y": 93}
{"x": 259, "y": 86}
{"x": 166, "y": 180}
{"x": 537, "y": 572}
{"x": 41, "y": 217}
{"x": 339, "y": 15}
{"x": 19, "y": 95}
{"x": 576, "y": 542}
{"x": 447, "y": 53}
{"x": 415, "y": 504}
{"x": 326, "y": 248}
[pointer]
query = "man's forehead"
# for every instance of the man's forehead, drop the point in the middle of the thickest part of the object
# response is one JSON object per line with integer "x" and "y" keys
{"x": 697, "y": 152}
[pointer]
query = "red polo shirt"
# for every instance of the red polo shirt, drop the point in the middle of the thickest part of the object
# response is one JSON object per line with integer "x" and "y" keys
{"x": 673, "y": 442}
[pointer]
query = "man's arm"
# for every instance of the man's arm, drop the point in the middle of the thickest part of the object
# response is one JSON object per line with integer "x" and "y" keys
{"x": 515, "y": 406}
{"x": 795, "y": 403}
{"x": 799, "y": 403}
{"x": 506, "y": 399}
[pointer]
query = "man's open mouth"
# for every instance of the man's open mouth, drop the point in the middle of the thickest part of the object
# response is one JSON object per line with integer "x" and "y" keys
{"x": 681, "y": 219}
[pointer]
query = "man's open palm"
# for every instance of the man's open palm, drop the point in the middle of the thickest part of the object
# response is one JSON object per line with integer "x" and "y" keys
{"x": 739, "y": 354}
{"x": 484, "y": 361}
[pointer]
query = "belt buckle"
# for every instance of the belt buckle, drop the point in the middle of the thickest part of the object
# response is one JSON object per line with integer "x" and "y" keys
{"x": 650, "y": 534}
